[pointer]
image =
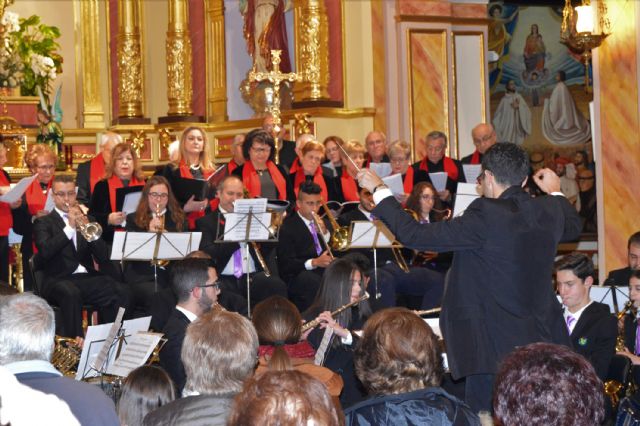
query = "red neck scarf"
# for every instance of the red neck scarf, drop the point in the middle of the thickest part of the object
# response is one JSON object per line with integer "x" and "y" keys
{"x": 185, "y": 172}
{"x": 349, "y": 187}
{"x": 6, "y": 220}
{"x": 96, "y": 170}
{"x": 231, "y": 166}
{"x": 252, "y": 180}
{"x": 317, "y": 179}
{"x": 295, "y": 166}
{"x": 115, "y": 183}
{"x": 408, "y": 180}
{"x": 297, "y": 350}
{"x": 449, "y": 167}
{"x": 36, "y": 199}
{"x": 475, "y": 158}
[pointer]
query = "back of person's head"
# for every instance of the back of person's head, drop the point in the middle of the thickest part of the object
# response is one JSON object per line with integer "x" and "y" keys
{"x": 547, "y": 384}
{"x": 398, "y": 353}
{"x": 145, "y": 389}
{"x": 579, "y": 263}
{"x": 508, "y": 163}
{"x": 284, "y": 398}
{"x": 277, "y": 322}
{"x": 187, "y": 274}
{"x": 219, "y": 353}
{"x": 27, "y": 329}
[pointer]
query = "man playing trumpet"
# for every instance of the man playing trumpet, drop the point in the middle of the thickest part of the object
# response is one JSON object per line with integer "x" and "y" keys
{"x": 67, "y": 260}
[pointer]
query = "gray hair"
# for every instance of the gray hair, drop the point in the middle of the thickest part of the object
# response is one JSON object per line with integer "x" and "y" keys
{"x": 303, "y": 139}
{"x": 437, "y": 134}
{"x": 27, "y": 328}
{"x": 108, "y": 136}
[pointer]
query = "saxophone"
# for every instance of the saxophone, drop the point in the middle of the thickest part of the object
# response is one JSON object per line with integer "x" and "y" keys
{"x": 612, "y": 388}
{"x": 628, "y": 308}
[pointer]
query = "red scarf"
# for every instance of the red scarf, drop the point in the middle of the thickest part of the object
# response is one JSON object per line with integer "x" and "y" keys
{"x": 317, "y": 179}
{"x": 36, "y": 199}
{"x": 449, "y": 167}
{"x": 6, "y": 220}
{"x": 96, "y": 170}
{"x": 349, "y": 187}
{"x": 231, "y": 166}
{"x": 185, "y": 172}
{"x": 297, "y": 350}
{"x": 114, "y": 183}
{"x": 252, "y": 181}
{"x": 295, "y": 167}
{"x": 408, "y": 180}
{"x": 475, "y": 158}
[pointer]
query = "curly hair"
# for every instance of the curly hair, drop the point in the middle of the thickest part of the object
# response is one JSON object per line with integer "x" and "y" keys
{"x": 543, "y": 384}
{"x": 39, "y": 150}
{"x": 118, "y": 150}
{"x": 398, "y": 353}
{"x": 269, "y": 400}
{"x": 144, "y": 211}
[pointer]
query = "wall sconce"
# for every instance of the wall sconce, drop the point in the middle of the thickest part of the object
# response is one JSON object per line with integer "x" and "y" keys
{"x": 578, "y": 30}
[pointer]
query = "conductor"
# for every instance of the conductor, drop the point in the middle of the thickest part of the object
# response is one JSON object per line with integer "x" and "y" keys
{"x": 498, "y": 293}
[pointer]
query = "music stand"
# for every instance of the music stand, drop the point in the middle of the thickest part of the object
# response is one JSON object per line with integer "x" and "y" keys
{"x": 371, "y": 235}
{"x": 247, "y": 227}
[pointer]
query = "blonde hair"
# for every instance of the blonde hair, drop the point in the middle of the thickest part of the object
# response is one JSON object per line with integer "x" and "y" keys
{"x": 206, "y": 159}
{"x": 353, "y": 147}
{"x": 401, "y": 147}
{"x": 39, "y": 150}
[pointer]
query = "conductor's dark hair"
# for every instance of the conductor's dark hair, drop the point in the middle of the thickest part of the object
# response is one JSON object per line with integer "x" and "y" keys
{"x": 508, "y": 163}
{"x": 634, "y": 239}
{"x": 578, "y": 263}
{"x": 187, "y": 274}
{"x": 562, "y": 75}
{"x": 544, "y": 384}
{"x": 259, "y": 136}
{"x": 310, "y": 188}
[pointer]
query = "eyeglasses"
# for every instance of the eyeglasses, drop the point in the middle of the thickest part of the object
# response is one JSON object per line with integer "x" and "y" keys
{"x": 484, "y": 138}
{"x": 215, "y": 285}
{"x": 63, "y": 194}
{"x": 46, "y": 167}
{"x": 398, "y": 159}
{"x": 159, "y": 194}
{"x": 480, "y": 177}
{"x": 261, "y": 150}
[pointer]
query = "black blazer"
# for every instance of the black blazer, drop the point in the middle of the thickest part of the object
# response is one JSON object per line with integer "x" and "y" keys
{"x": 332, "y": 192}
{"x": 57, "y": 255}
{"x": 100, "y": 207}
{"x": 594, "y": 337}
{"x": 291, "y": 196}
{"x": 83, "y": 182}
{"x": 295, "y": 247}
{"x": 498, "y": 293}
{"x": 23, "y": 225}
{"x": 287, "y": 154}
{"x": 172, "y": 174}
{"x": 170, "y": 357}
{"x": 212, "y": 228}
{"x": 621, "y": 276}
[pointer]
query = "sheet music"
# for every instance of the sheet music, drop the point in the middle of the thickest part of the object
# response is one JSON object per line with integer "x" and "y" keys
{"x": 381, "y": 169}
{"x": 16, "y": 192}
{"x": 176, "y": 245}
{"x": 603, "y": 295}
{"x": 395, "y": 184}
{"x": 100, "y": 360}
{"x": 139, "y": 245}
{"x": 439, "y": 180}
{"x": 131, "y": 201}
{"x": 135, "y": 354}
{"x": 467, "y": 193}
{"x": 363, "y": 235}
{"x": 471, "y": 172}
{"x": 236, "y": 226}
{"x": 255, "y": 205}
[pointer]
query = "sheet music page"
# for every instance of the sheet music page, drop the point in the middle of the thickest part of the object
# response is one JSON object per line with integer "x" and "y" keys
{"x": 139, "y": 245}
{"x": 131, "y": 201}
{"x": 49, "y": 205}
{"x": 439, "y": 180}
{"x": 467, "y": 193}
{"x": 100, "y": 360}
{"x": 381, "y": 169}
{"x": 135, "y": 354}
{"x": 471, "y": 172}
{"x": 16, "y": 192}
{"x": 395, "y": 184}
{"x": 363, "y": 235}
{"x": 255, "y": 205}
{"x": 176, "y": 245}
{"x": 236, "y": 227}
{"x": 603, "y": 294}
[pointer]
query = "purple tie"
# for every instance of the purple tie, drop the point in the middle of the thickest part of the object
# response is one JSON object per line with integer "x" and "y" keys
{"x": 570, "y": 320}
{"x": 638, "y": 339}
{"x": 316, "y": 242}
{"x": 237, "y": 263}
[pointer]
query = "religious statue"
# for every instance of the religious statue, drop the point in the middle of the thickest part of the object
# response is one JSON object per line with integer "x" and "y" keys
{"x": 49, "y": 128}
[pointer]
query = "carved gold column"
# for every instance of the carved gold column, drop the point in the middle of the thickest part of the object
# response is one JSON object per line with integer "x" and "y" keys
{"x": 216, "y": 62}
{"x": 129, "y": 53}
{"x": 312, "y": 50}
{"x": 179, "y": 87}
{"x": 88, "y": 66}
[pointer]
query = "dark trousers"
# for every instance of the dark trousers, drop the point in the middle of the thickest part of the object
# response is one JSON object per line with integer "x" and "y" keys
{"x": 72, "y": 292}
{"x": 261, "y": 287}
{"x": 418, "y": 281}
{"x": 478, "y": 392}
{"x": 27, "y": 252}
{"x": 303, "y": 288}
{"x": 4, "y": 259}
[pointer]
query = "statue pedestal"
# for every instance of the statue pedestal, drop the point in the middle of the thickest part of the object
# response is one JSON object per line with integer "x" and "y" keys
{"x": 24, "y": 109}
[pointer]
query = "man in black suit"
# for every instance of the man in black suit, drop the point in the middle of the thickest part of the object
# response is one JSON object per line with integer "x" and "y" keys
{"x": 302, "y": 252}
{"x": 498, "y": 293}
{"x": 229, "y": 258}
{"x": 84, "y": 179}
{"x": 621, "y": 276}
{"x": 592, "y": 327}
{"x": 196, "y": 285}
{"x": 67, "y": 260}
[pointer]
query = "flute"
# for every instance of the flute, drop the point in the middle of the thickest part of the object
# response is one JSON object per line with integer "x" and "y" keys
{"x": 428, "y": 311}
{"x": 313, "y": 323}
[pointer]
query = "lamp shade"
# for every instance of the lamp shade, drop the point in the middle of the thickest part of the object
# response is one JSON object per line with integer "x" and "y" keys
{"x": 585, "y": 22}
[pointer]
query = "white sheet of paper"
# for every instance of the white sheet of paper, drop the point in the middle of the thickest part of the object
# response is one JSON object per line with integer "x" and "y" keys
{"x": 236, "y": 226}
{"x": 96, "y": 335}
{"x": 131, "y": 201}
{"x": 135, "y": 354}
{"x": 137, "y": 246}
{"x": 381, "y": 169}
{"x": 245, "y": 205}
{"x": 100, "y": 360}
{"x": 439, "y": 180}
{"x": 176, "y": 245}
{"x": 471, "y": 172}
{"x": 49, "y": 205}
{"x": 467, "y": 193}
{"x": 16, "y": 192}
{"x": 434, "y": 323}
{"x": 395, "y": 184}
{"x": 363, "y": 235}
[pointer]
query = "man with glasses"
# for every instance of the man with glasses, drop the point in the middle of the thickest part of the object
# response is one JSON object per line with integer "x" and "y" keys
{"x": 484, "y": 137}
{"x": 67, "y": 260}
{"x": 196, "y": 285}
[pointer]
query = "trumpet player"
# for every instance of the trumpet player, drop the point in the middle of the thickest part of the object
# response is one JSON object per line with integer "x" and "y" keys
{"x": 229, "y": 258}
{"x": 66, "y": 259}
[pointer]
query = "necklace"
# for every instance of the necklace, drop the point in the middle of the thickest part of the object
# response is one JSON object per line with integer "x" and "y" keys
{"x": 195, "y": 167}
{"x": 260, "y": 172}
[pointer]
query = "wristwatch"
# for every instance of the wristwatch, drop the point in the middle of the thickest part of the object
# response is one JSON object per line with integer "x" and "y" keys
{"x": 381, "y": 186}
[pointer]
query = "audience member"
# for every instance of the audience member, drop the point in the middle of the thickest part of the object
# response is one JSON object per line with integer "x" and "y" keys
{"x": 588, "y": 200}
{"x": 145, "y": 389}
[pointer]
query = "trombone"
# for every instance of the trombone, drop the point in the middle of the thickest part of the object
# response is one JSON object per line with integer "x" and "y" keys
{"x": 339, "y": 240}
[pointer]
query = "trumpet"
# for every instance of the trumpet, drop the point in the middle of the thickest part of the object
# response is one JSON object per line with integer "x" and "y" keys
{"x": 314, "y": 323}
{"x": 91, "y": 231}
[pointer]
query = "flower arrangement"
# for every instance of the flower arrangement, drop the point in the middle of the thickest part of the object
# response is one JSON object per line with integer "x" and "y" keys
{"x": 28, "y": 54}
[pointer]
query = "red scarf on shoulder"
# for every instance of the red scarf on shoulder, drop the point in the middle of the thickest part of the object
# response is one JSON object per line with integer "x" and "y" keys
{"x": 295, "y": 166}
{"x": 114, "y": 183}
{"x": 317, "y": 179}
{"x": 349, "y": 187}
{"x": 252, "y": 180}
{"x": 185, "y": 172}
{"x": 36, "y": 198}
{"x": 408, "y": 180}
{"x": 449, "y": 167}
{"x": 6, "y": 220}
{"x": 475, "y": 158}
{"x": 96, "y": 170}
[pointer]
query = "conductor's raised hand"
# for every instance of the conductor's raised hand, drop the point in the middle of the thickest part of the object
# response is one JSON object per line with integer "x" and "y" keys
{"x": 547, "y": 180}
{"x": 368, "y": 179}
